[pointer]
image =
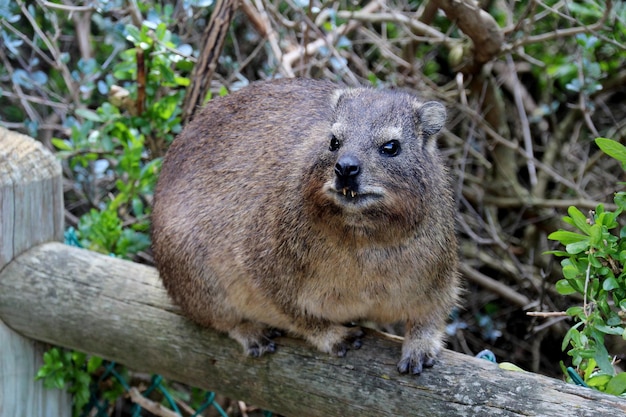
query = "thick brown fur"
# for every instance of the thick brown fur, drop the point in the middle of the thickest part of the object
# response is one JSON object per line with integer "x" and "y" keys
{"x": 254, "y": 229}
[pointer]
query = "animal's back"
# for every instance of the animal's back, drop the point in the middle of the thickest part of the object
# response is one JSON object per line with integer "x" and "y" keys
{"x": 251, "y": 133}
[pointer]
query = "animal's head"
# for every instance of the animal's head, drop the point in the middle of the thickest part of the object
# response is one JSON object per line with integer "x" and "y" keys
{"x": 379, "y": 158}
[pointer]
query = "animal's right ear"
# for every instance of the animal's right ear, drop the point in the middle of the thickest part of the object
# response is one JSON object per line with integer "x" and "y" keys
{"x": 432, "y": 117}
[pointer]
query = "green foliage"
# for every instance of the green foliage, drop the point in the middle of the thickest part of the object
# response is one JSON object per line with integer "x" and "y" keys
{"x": 593, "y": 267}
{"x": 63, "y": 369}
{"x": 116, "y": 144}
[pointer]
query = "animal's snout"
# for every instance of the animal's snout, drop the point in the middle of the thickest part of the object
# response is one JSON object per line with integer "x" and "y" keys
{"x": 348, "y": 166}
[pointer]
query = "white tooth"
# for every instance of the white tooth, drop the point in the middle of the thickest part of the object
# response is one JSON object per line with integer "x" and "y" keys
{"x": 345, "y": 191}
{"x": 353, "y": 194}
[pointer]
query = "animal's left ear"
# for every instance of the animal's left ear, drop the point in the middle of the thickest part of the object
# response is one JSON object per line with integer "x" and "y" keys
{"x": 337, "y": 96}
{"x": 431, "y": 117}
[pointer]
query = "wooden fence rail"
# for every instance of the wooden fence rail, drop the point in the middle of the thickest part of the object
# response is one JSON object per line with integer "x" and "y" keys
{"x": 119, "y": 310}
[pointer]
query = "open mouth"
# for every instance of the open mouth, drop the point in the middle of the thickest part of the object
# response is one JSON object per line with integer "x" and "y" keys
{"x": 356, "y": 196}
{"x": 351, "y": 196}
{"x": 349, "y": 193}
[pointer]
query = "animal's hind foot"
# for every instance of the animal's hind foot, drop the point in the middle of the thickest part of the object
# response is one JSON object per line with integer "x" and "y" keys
{"x": 337, "y": 339}
{"x": 255, "y": 338}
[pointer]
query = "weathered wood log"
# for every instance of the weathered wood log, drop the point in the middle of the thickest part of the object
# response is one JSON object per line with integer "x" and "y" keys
{"x": 31, "y": 212}
{"x": 119, "y": 310}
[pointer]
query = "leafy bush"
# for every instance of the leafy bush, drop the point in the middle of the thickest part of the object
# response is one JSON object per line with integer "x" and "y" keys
{"x": 120, "y": 143}
{"x": 73, "y": 371}
{"x": 594, "y": 267}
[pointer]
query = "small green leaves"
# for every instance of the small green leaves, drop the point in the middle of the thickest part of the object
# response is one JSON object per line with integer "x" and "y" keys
{"x": 66, "y": 369}
{"x": 594, "y": 268}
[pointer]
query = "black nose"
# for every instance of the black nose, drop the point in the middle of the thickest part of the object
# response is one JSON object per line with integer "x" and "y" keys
{"x": 347, "y": 166}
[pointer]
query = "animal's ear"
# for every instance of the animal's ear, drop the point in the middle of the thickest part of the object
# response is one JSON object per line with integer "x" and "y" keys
{"x": 337, "y": 97}
{"x": 431, "y": 117}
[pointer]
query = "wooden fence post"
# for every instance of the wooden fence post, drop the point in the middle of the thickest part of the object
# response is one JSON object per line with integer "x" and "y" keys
{"x": 31, "y": 212}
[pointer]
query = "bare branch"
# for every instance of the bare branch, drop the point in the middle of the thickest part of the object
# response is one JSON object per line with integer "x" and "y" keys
{"x": 476, "y": 23}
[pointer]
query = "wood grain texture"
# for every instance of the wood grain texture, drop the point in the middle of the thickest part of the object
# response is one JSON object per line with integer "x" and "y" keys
{"x": 119, "y": 310}
{"x": 31, "y": 212}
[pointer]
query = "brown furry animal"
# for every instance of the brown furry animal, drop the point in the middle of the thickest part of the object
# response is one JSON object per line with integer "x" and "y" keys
{"x": 301, "y": 205}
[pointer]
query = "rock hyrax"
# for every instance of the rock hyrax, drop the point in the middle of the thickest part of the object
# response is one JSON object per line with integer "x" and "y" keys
{"x": 303, "y": 206}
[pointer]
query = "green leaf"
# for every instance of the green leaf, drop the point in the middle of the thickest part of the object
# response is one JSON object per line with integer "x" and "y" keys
{"x": 576, "y": 311}
{"x": 577, "y": 247}
{"x": 615, "y": 320}
{"x": 56, "y": 380}
{"x": 62, "y": 145}
{"x": 182, "y": 81}
{"x": 610, "y": 284}
{"x": 78, "y": 357}
{"x": 606, "y": 219}
{"x": 609, "y": 329}
{"x": 617, "y": 384}
{"x": 88, "y": 115}
{"x": 572, "y": 334}
{"x": 595, "y": 234}
{"x": 602, "y": 357}
{"x": 620, "y": 200}
{"x": 93, "y": 364}
{"x": 134, "y": 35}
{"x": 612, "y": 148}
{"x": 566, "y": 237}
{"x": 165, "y": 107}
{"x": 556, "y": 253}
{"x": 570, "y": 272}
{"x": 578, "y": 219}
{"x": 564, "y": 288}
{"x": 598, "y": 381}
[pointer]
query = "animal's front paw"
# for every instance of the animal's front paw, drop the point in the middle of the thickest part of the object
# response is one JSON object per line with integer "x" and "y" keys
{"x": 414, "y": 362}
{"x": 337, "y": 340}
{"x": 420, "y": 350}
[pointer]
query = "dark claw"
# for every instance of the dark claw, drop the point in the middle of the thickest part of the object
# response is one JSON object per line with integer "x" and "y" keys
{"x": 430, "y": 362}
{"x": 254, "y": 351}
{"x": 406, "y": 365}
{"x": 259, "y": 348}
{"x": 352, "y": 341}
{"x": 417, "y": 369}
{"x": 340, "y": 350}
{"x": 272, "y": 333}
{"x": 415, "y": 364}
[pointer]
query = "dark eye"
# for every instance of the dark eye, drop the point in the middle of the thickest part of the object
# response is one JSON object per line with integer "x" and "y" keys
{"x": 334, "y": 144}
{"x": 391, "y": 148}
